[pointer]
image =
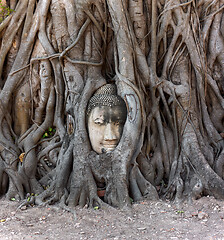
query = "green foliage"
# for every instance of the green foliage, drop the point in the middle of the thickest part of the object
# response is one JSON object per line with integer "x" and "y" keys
{"x": 49, "y": 132}
{"x": 4, "y": 11}
{"x": 180, "y": 211}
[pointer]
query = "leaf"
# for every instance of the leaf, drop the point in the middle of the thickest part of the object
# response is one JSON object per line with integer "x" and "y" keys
{"x": 96, "y": 208}
{"x": 50, "y": 129}
{"x": 28, "y": 199}
{"x": 45, "y": 135}
{"x": 180, "y": 211}
{"x": 2, "y": 220}
{"x": 21, "y": 157}
{"x": 13, "y": 199}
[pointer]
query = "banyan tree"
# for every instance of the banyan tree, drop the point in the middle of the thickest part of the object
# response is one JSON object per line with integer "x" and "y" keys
{"x": 158, "y": 63}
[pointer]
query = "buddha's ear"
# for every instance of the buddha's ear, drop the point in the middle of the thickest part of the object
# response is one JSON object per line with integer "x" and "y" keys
{"x": 131, "y": 106}
{"x": 132, "y": 138}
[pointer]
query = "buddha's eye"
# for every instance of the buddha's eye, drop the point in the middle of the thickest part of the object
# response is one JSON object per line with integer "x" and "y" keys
{"x": 98, "y": 123}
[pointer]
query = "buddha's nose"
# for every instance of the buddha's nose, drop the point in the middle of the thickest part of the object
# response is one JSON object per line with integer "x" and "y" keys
{"x": 109, "y": 133}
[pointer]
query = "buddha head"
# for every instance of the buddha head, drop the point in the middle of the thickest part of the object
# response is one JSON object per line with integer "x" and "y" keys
{"x": 106, "y": 116}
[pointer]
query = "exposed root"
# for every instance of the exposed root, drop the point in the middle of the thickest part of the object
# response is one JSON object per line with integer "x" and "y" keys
{"x": 166, "y": 58}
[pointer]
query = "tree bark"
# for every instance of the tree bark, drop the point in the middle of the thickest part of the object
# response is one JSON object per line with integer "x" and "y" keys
{"x": 166, "y": 60}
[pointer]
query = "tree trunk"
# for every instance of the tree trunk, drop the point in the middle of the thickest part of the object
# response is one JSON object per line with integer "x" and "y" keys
{"x": 166, "y": 59}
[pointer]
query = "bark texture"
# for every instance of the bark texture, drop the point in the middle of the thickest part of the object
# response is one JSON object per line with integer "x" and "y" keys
{"x": 166, "y": 58}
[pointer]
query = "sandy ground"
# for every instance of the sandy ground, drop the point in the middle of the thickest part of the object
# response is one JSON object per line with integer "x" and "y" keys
{"x": 148, "y": 220}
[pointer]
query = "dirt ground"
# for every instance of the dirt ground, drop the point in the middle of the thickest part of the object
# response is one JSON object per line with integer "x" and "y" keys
{"x": 148, "y": 220}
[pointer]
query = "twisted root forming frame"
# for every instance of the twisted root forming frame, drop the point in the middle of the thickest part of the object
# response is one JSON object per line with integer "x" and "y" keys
{"x": 167, "y": 60}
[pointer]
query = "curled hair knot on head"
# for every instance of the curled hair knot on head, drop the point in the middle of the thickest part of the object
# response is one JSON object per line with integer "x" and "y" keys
{"x": 105, "y": 96}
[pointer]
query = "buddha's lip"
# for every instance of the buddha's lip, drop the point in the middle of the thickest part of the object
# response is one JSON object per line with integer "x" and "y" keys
{"x": 109, "y": 146}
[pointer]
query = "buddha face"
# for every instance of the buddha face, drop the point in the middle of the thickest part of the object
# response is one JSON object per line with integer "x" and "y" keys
{"x": 105, "y": 127}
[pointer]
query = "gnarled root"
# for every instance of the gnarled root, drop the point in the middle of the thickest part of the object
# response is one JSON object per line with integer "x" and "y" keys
{"x": 141, "y": 188}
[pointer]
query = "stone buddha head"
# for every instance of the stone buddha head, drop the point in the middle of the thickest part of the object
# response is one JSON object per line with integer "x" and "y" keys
{"x": 106, "y": 116}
